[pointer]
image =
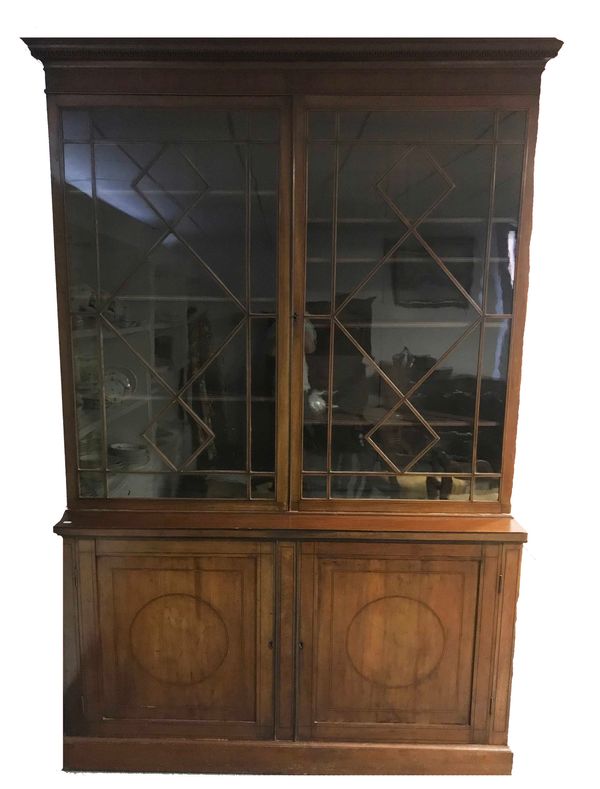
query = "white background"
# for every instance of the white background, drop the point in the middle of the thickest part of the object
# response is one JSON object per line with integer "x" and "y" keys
{"x": 555, "y": 702}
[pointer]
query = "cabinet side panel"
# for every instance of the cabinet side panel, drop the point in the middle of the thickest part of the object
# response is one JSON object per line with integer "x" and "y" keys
{"x": 71, "y": 656}
{"x": 484, "y": 654}
{"x": 89, "y": 637}
{"x": 511, "y": 564}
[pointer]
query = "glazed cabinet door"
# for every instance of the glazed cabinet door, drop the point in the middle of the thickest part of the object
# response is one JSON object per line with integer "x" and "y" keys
{"x": 186, "y": 638}
{"x": 389, "y": 641}
{"x": 175, "y": 229}
{"x": 408, "y": 235}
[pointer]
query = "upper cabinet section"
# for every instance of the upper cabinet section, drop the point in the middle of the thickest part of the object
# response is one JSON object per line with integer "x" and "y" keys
{"x": 292, "y": 272}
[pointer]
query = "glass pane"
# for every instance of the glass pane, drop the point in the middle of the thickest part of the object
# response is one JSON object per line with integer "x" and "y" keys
{"x": 264, "y": 125}
{"x": 512, "y": 125}
{"x": 262, "y": 487}
{"x": 456, "y": 230}
{"x": 179, "y": 125}
{"x": 501, "y": 279}
{"x": 76, "y": 125}
{"x": 316, "y": 387}
{"x": 368, "y": 225}
{"x": 493, "y": 395}
{"x": 321, "y": 125}
{"x": 486, "y": 489}
{"x": 314, "y": 487}
{"x": 507, "y": 195}
{"x": 181, "y": 486}
{"x": 91, "y": 486}
{"x": 263, "y": 386}
{"x": 263, "y": 218}
{"x": 172, "y": 232}
{"x": 417, "y": 125}
{"x": 507, "y": 206}
{"x": 81, "y": 238}
{"x": 409, "y": 486}
{"x": 88, "y": 391}
{"x": 319, "y": 229}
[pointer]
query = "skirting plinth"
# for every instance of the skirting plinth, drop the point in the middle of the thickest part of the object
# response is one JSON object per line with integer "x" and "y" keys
{"x": 107, "y": 754}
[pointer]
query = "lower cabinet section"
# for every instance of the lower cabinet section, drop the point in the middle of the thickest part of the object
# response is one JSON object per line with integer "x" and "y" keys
{"x": 339, "y": 642}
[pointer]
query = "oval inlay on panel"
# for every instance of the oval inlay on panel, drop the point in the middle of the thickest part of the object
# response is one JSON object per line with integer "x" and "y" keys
{"x": 395, "y": 641}
{"x": 179, "y": 638}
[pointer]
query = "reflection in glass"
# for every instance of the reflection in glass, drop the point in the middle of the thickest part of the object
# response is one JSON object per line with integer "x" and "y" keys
{"x": 182, "y": 486}
{"x": 263, "y": 230}
{"x": 319, "y": 228}
{"x": 172, "y": 232}
{"x": 76, "y": 125}
{"x": 486, "y": 489}
{"x": 414, "y": 486}
{"x": 262, "y": 487}
{"x": 496, "y": 345}
{"x": 404, "y": 229}
{"x": 91, "y": 485}
{"x": 314, "y": 487}
{"x": 88, "y": 391}
{"x": 503, "y": 252}
{"x": 512, "y": 125}
{"x": 316, "y": 393}
{"x": 367, "y": 227}
{"x": 417, "y": 125}
{"x": 321, "y": 125}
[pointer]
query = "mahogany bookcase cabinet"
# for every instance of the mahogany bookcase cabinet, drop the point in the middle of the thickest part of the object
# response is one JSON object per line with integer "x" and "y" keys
{"x": 291, "y": 279}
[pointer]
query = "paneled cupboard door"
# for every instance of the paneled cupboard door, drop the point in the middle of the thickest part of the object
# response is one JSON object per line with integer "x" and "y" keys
{"x": 390, "y": 642}
{"x": 187, "y": 638}
{"x": 176, "y": 231}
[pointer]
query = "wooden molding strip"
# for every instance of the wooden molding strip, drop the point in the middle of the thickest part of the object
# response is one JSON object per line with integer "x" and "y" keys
{"x": 459, "y": 528}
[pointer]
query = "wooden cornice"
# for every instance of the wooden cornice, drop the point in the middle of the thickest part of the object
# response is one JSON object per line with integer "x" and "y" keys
{"x": 293, "y": 50}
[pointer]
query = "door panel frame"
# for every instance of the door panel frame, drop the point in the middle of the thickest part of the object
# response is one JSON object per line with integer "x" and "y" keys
{"x": 55, "y": 104}
{"x": 95, "y": 596}
{"x": 301, "y": 107}
{"x": 484, "y": 664}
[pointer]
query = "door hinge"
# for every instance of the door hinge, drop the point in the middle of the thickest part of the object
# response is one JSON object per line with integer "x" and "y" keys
{"x": 82, "y": 704}
{"x": 500, "y": 581}
{"x": 491, "y": 705}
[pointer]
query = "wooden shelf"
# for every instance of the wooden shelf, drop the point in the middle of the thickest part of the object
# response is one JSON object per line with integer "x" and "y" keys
{"x": 368, "y": 420}
{"x": 462, "y": 220}
{"x": 406, "y": 324}
{"x": 403, "y": 259}
{"x": 107, "y": 333}
{"x": 204, "y": 399}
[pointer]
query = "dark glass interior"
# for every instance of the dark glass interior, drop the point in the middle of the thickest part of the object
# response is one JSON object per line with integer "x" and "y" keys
{"x": 412, "y": 233}
{"x": 172, "y": 240}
